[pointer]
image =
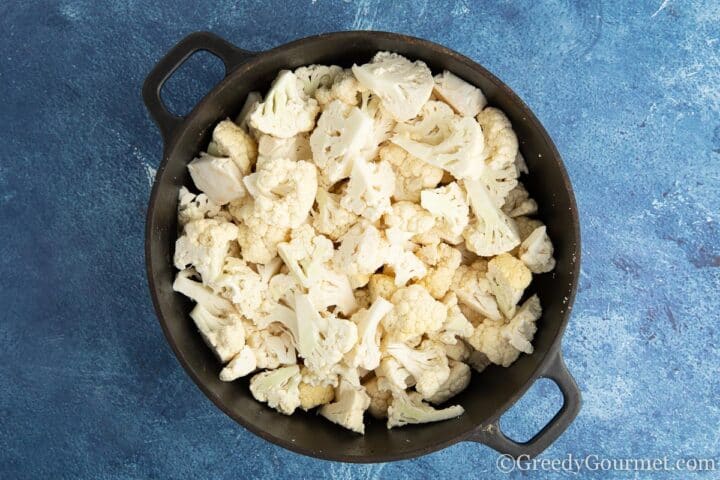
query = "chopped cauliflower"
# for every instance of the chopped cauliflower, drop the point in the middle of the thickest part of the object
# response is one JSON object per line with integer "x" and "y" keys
{"x": 366, "y": 353}
{"x": 305, "y": 254}
{"x": 383, "y": 121}
{"x": 457, "y": 381}
{"x": 230, "y": 140}
{"x": 499, "y": 182}
{"x": 410, "y": 409}
{"x": 379, "y": 399}
{"x": 313, "y": 77}
{"x": 283, "y": 191}
{"x": 459, "y": 352}
{"x": 428, "y": 364}
{"x": 361, "y": 251}
{"x": 241, "y": 285}
{"x": 415, "y": 313}
{"x": 456, "y": 324}
{"x": 241, "y": 365}
{"x": 195, "y": 207}
{"x": 525, "y": 226}
{"x": 403, "y": 86}
{"x": 508, "y": 277}
{"x": 442, "y": 260}
{"x": 218, "y": 177}
{"x": 330, "y": 218}
{"x": 406, "y": 220}
{"x": 501, "y": 144}
{"x": 293, "y": 148}
{"x": 492, "y": 232}
{"x": 312, "y": 396}
{"x": 271, "y": 350}
{"x": 393, "y": 376}
{"x": 349, "y": 407}
{"x": 381, "y": 286}
{"x": 450, "y": 208}
{"x": 536, "y": 251}
{"x": 369, "y": 190}
{"x": 257, "y": 238}
{"x": 204, "y": 245}
{"x": 412, "y": 175}
{"x": 473, "y": 289}
{"x": 518, "y": 202}
{"x": 243, "y": 117}
{"x": 465, "y": 99}
{"x": 344, "y": 88}
{"x": 225, "y": 336}
{"x": 286, "y": 110}
{"x": 279, "y": 388}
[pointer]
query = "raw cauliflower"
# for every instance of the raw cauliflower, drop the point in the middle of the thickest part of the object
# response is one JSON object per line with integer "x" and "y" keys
{"x": 465, "y": 99}
{"x": 536, "y": 251}
{"x": 361, "y": 251}
{"x": 492, "y": 232}
{"x": 473, "y": 289}
{"x": 312, "y": 396}
{"x": 204, "y": 245}
{"x": 501, "y": 144}
{"x": 293, "y": 148}
{"x": 450, "y": 208}
{"x": 195, "y": 207}
{"x": 379, "y": 399}
{"x": 427, "y": 364}
{"x": 457, "y": 381}
{"x": 381, "y": 286}
{"x": 412, "y": 175}
{"x": 230, "y": 140}
{"x": 279, "y": 388}
{"x": 408, "y": 408}
{"x": 508, "y": 277}
{"x": 218, "y": 177}
{"x": 313, "y": 77}
{"x": 369, "y": 189}
{"x": 442, "y": 260}
{"x": 344, "y": 88}
{"x": 415, "y": 313}
{"x": 257, "y": 238}
{"x": 518, "y": 202}
{"x": 329, "y": 217}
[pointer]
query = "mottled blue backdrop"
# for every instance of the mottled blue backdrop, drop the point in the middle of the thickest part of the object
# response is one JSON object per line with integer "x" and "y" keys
{"x": 630, "y": 91}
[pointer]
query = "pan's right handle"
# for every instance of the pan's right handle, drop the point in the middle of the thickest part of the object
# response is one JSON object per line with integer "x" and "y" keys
{"x": 491, "y": 435}
{"x": 229, "y": 54}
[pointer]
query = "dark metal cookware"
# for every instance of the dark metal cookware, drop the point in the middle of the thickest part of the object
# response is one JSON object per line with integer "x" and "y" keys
{"x": 490, "y": 393}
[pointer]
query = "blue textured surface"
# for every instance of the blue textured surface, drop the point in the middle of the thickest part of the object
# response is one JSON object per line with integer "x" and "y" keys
{"x": 630, "y": 92}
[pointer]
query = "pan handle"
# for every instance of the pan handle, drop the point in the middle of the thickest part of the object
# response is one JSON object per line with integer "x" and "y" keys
{"x": 229, "y": 54}
{"x": 491, "y": 435}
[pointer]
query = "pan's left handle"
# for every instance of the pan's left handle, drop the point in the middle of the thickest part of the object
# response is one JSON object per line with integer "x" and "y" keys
{"x": 229, "y": 54}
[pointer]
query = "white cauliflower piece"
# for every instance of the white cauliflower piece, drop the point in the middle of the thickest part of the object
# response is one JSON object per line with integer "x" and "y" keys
{"x": 342, "y": 133}
{"x": 330, "y": 218}
{"x": 293, "y": 148}
{"x": 454, "y": 144}
{"x": 403, "y": 86}
{"x": 381, "y": 286}
{"x": 410, "y": 409}
{"x": 508, "y": 277}
{"x": 457, "y": 381}
{"x": 456, "y": 324}
{"x": 361, "y": 252}
{"x": 257, "y": 238}
{"x": 492, "y": 232}
{"x": 501, "y": 144}
{"x": 499, "y": 182}
{"x": 241, "y": 285}
{"x": 406, "y": 220}
{"x": 502, "y": 342}
{"x": 428, "y": 364}
{"x": 369, "y": 190}
{"x": 379, "y": 399}
{"x": 348, "y": 408}
{"x": 473, "y": 289}
{"x": 465, "y": 99}
{"x": 243, "y": 117}
{"x": 286, "y": 110}
{"x": 230, "y": 140}
{"x": 279, "y": 388}
{"x": 313, "y": 77}
{"x": 202, "y": 295}
{"x": 332, "y": 288}
{"x": 306, "y": 254}
{"x": 284, "y": 191}
{"x": 536, "y": 251}
{"x": 393, "y": 376}
{"x": 460, "y": 351}
{"x": 412, "y": 175}
{"x": 450, "y": 208}
{"x": 366, "y": 353}
{"x": 383, "y": 121}
{"x": 270, "y": 349}
{"x": 344, "y": 88}
{"x": 241, "y": 365}
{"x": 312, "y": 396}
{"x": 195, "y": 207}
{"x": 442, "y": 261}
{"x": 204, "y": 244}
{"x": 224, "y": 335}
{"x": 415, "y": 313}
{"x": 518, "y": 202}
{"x": 218, "y": 177}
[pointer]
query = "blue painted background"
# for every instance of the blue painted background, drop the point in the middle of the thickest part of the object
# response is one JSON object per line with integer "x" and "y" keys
{"x": 630, "y": 91}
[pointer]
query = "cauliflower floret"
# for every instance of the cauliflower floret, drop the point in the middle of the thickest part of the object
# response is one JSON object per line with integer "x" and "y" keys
{"x": 443, "y": 261}
{"x": 305, "y": 254}
{"x": 403, "y": 86}
{"x": 243, "y": 117}
{"x": 349, "y": 407}
{"x": 473, "y": 289}
{"x": 284, "y": 191}
{"x": 257, "y": 238}
{"x": 502, "y": 342}
{"x": 381, "y": 286}
{"x": 383, "y": 122}
{"x": 366, "y": 353}
{"x": 218, "y": 177}
{"x": 450, "y": 209}
{"x": 332, "y": 288}
{"x": 242, "y": 364}
{"x": 204, "y": 244}
{"x": 445, "y": 140}
{"x": 344, "y": 88}
{"x": 415, "y": 313}
{"x": 230, "y": 140}
{"x": 241, "y": 285}
{"x": 361, "y": 251}
{"x": 499, "y": 182}
{"x": 459, "y": 352}
{"x": 293, "y": 148}
{"x": 379, "y": 399}
{"x": 331, "y": 219}
{"x": 518, "y": 202}
{"x": 313, "y": 77}
{"x": 312, "y": 396}
{"x": 224, "y": 335}
{"x": 458, "y": 381}
{"x": 508, "y": 277}
{"x": 271, "y": 350}
{"x": 279, "y": 388}
{"x": 412, "y": 175}
{"x": 406, "y": 220}
{"x": 195, "y": 207}
{"x": 286, "y": 110}
{"x": 428, "y": 364}
{"x": 465, "y": 99}
{"x": 342, "y": 133}
{"x": 369, "y": 190}
{"x": 456, "y": 324}
{"x": 492, "y": 232}
{"x": 202, "y": 295}
{"x": 536, "y": 251}
{"x": 393, "y": 376}
{"x": 501, "y": 144}
{"x": 409, "y": 409}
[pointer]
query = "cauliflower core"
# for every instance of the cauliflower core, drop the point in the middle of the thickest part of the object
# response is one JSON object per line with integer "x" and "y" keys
{"x": 360, "y": 242}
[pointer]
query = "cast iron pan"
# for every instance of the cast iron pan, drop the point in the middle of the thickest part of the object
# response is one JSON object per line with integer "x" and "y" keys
{"x": 490, "y": 393}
